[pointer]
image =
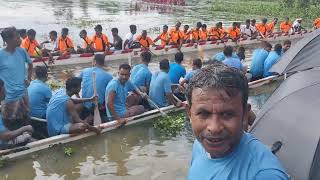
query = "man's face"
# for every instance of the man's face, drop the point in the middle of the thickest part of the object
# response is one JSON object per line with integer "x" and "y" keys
{"x": 124, "y": 75}
{"x": 178, "y": 26}
{"x": 286, "y": 47}
{"x": 98, "y": 33}
{"x": 114, "y": 34}
{"x": 64, "y": 34}
{"x": 31, "y": 37}
{"x": 268, "y": 49}
{"x": 165, "y": 29}
{"x": 15, "y": 41}
{"x": 52, "y": 37}
{"x": 217, "y": 120}
{"x": 144, "y": 34}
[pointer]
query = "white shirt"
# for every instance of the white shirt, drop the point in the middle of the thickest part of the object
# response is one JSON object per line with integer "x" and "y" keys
{"x": 245, "y": 30}
{"x": 296, "y": 26}
{"x": 52, "y": 45}
{"x": 131, "y": 37}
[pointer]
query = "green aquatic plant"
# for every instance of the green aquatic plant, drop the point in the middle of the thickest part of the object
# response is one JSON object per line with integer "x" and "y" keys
{"x": 55, "y": 84}
{"x": 68, "y": 151}
{"x": 170, "y": 125}
{"x": 3, "y": 162}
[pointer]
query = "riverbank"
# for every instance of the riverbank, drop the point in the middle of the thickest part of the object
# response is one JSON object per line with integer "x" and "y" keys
{"x": 241, "y": 10}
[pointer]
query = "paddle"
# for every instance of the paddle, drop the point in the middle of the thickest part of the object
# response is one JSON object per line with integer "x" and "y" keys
{"x": 96, "y": 116}
{"x": 40, "y": 56}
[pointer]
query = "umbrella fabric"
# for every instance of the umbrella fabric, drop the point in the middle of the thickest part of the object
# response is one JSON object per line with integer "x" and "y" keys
{"x": 292, "y": 116}
{"x": 303, "y": 55}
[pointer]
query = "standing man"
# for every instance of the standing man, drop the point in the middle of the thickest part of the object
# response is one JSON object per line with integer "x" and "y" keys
{"x": 39, "y": 93}
{"x": 130, "y": 38}
{"x": 177, "y": 70}
{"x": 102, "y": 80}
{"x": 160, "y": 88}
{"x": 62, "y": 115}
{"x": 217, "y": 107}
{"x": 16, "y": 77}
{"x": 117, "y": 96}
{"x": 140, "y": 74}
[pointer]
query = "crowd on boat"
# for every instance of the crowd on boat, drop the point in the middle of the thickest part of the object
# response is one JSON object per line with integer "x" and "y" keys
{"x": 99, "y": 42}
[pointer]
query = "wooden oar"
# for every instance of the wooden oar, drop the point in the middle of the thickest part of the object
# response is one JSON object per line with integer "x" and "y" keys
{"x": 96, "y": 116}
{"x": 40, "y": 56}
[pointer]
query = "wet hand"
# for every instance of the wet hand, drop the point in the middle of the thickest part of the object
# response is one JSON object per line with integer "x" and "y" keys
{"x": 122, "y": 121}
{"x": 94, "y": 98}
{"x": 28, "y": 129}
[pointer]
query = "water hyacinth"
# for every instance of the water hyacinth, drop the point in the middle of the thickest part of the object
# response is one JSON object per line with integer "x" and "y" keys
{"x": 171, "y": 125}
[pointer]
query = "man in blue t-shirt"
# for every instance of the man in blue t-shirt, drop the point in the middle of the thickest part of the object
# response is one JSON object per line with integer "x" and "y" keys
{"x": 217, "y": 107}
{"x": 10, "y": 139}
{"x": 62, "y": 113}
{"x": 232, "y": 62}
{"x": 117, "y": 93}
{"x": 102, "y": 80}
{"x": 257, "y": 62}
{"x": 272, "y": 59}
{"x": 196, "y": 66}
{"x": 160, "y": 88}
{"x": 39, "y": 93}
{"x": 140, "y": 74}
{"x": 177, "y": 71}
{"x": 13, "y": 60}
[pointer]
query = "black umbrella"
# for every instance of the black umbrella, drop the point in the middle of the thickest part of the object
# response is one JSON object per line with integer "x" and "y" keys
{"x": 303, "y": 55}
{"x": 289, "y": 122}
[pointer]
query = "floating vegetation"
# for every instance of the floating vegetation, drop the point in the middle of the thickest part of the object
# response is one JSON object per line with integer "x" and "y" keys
{"x": 68, "y": 151}
{"x": 171, "y": 125}
{"x": 3, "y": 162}
{"x": 55, "y": 84}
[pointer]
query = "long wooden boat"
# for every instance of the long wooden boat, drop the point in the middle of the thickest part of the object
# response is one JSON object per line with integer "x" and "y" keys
{"x": 12, "y": 154}
{"x": 159, "y": 51}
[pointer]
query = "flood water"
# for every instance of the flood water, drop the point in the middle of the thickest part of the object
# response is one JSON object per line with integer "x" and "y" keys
{"x": 137, "y": 152}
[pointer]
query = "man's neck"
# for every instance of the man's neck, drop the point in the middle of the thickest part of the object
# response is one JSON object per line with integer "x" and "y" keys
{"x": 145, "y": 63}
{"x": 10, "y": 49}
{"x": 70, "y": 94}
{"x": 42, "y": 80}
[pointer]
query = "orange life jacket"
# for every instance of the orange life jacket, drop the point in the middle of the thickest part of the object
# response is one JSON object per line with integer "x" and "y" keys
{"x": 195, "y": 34}
{"x": 234, "y": 33}
{"x": 87, "y": 42}
{"x": 100, "y": 43}
{"x": 164, "y": 37}
{"x": 175, "y": 35}
{"x": 285, "y": 28}
{"x": 145, "y": 42}
{"x": 64, "y": 44}
{"x": 30, "y": 46}
{"x": 263, "y": 29}
{"x": 316, "y": 23}
{"x": 204, "y": 35}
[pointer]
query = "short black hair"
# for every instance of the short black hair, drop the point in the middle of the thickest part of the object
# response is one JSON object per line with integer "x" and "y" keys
{"x": 220, "y": 77}
{"x": 31, "y": 32}
{"x": 227, "y": 51}
{"x": 146, "y": 56}
{"x": 83, "y": 31}
{"x": 114, "y": 30}
{"x": 267, "y": 45}
{"x": 234, "y": 24}
{"x": 253, "y": 21}
{"x": 41, "y": 72}
{"x": 98, "y": 28}
{"x": 72, "y": 83}
{"x": 164, "y": 64}
{"x": 54, "y": 33}
{"x": 241, "y": 53}
{"x": 186, "y": 26}
{"x": 125, "y": 66}
{"x": 99, "y": 58}
{"x": 197, "y": 62}
{"x": 178, "y": 57}
{"x": 247, "y": 20}
{"x": 8, "y": 33}
{"x": 199, "y": 24}
{"x": 204, "y": 26}
{"x": 278, "y": 48}
{"x": 287, "y": 42}
{"x": 133, "y": 27}
{"x": 264, "y": 20}
{"x": 65, "y": 30}
{"x": 22, "y": 32}
{"x": 165, "y": 26}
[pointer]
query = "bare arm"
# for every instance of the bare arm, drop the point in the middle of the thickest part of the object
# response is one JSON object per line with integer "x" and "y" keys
{"x": 9, "y": 135}
{"x": 171, "y": 99}
{"x": 83, "y": 100}
{"x": 30, "y": 69}
{"x": 110, "y": 104}
{"x": 72, "y": 111}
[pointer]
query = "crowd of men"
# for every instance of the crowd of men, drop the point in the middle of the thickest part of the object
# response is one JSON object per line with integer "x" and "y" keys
{"x": 99, "y": 42}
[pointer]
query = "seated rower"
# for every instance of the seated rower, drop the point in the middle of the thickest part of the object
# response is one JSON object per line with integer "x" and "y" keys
{"x": 316, "y": 23}
{"x": 196, "y": 66}
{"x": 286, "y": 46}
{"x": 246, "y": 30}
{"x": 273, "y": 58}
{"x": 140, "y": 74}
{"x": 286, "y": 26}
{"x": 39, "y": 93}
{"x": 164, "y": 36}
{"x": 204, "y": 33}
{"x": 297, "y": 27}
{"x": 254, "y": 30}
{"x": 31, "y": 44}
{"x": 257, "y": 62}
{"x": 65, "y": 43}
{"x": 100, "y": 40}
{"x": 131, "y": 37}
{"x": 87, "y": 46}
{"x": 22, "y": 34}
{"x": 177, "y": 70}
{"x": 119, "y": 106}
{"x": 272, "y": 24}
{"x": 232, "y": 62}
{"x": 102, "y": 80}
{"x": 195, "y": 33}
{"x": 117, "y": 40}
{"x": 144, "y": 40}
{"x": 263, "y": 28}
{"x": 160, "y": 88}
{"x": 62, "y": 115}
{"x": 18, "y": 137}
{"x": 52, "y": 44}
{"x": 186, "y": 34}
{"x": 175, "y": 35}
{"x": 216, "y": 33}
{"x": 234, "y": 32}
{"x": 241, "y": 53}
{"x": 221, "y": 57}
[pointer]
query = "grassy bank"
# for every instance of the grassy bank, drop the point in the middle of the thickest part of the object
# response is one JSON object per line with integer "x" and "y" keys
{"x": 270, "y": 9}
